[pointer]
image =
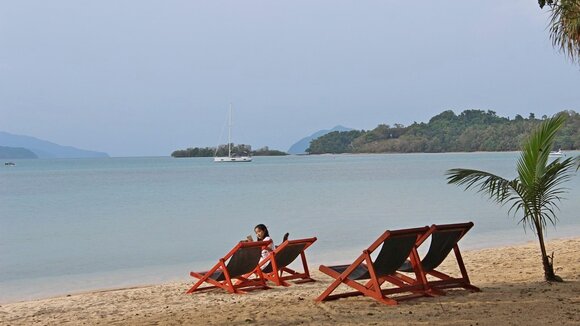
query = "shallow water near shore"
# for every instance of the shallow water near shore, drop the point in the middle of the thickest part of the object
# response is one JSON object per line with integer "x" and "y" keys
{"x": 82, "y": 224}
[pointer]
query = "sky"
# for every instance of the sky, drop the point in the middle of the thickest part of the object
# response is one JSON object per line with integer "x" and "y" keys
{"x": 144, "y": 78}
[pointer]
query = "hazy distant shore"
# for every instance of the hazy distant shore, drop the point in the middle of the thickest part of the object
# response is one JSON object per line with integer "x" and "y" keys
{"x": 511, "y": 280}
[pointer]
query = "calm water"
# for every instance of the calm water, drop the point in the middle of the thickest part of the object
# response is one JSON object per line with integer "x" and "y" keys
{"x": 74, "y": 225}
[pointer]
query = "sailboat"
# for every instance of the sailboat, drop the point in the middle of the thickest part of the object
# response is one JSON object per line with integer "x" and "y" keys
{"x": 230, "y": 157}
{"x": 559, "y": 153}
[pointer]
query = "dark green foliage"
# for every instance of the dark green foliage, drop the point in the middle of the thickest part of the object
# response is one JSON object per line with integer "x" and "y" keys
{"x": 335, "y": 142}
{"x": 265, "y": 151}
{"x": 237, "y": 150}
{"x": 194, "y": 152}
{"x": 568, "y": 137}
{"x": 470, "y": 131}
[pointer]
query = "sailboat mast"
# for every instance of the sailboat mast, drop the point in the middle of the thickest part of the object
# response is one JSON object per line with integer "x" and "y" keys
{"x": 230, "y": 133}
{"x": 237, "y": 157}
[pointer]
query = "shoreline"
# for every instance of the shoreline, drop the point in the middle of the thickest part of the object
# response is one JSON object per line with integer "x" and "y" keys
{"x": 511, "y": 279}
{"x": 313, "y": 265}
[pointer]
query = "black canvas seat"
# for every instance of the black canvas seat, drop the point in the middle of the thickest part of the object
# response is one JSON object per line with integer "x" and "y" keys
{"x": 395, "y": 247}
{"x": 231, "y": 270}
{"x": 444, "y": 239}
{"x": 275, "y": 266}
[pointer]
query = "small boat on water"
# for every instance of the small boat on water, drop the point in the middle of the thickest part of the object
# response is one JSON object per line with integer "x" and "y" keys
{"x": 233, "y": 159}
{"x": 558, "y": 153}
{"x": 245, "y": 157}
{"x": 9, "y": 163}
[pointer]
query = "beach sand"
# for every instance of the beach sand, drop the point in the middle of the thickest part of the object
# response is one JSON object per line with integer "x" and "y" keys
{"x": 511, "y": 280}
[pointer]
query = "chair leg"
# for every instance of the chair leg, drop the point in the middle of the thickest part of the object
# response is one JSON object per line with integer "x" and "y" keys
{"x": 328, "y": 291}
{"x": 202, "y": 279}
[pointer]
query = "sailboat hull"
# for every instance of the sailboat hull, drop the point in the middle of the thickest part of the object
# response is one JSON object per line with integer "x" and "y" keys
{"x": 233, "y": 159}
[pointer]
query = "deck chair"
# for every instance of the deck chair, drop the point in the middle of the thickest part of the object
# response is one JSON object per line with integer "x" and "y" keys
{"x": 275, "y": 266}
{"x": 229, "y": 272}
{"x": 395, "y": 247}
{"x": 444, "y": 238}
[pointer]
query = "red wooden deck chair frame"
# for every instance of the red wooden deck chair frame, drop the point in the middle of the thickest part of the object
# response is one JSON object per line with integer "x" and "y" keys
{"x": 275, "y": 266}
{"x": 396, "y": 247}
{"x": 229, "y": 273}
{"x": 444, "y": 238}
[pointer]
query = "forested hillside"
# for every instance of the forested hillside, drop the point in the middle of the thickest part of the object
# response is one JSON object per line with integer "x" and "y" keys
{"x": 472, "y": 130}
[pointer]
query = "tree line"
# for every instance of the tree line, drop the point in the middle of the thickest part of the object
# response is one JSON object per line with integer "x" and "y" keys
{"x": 222, "y": 150}
{"x": 471, "y": 130}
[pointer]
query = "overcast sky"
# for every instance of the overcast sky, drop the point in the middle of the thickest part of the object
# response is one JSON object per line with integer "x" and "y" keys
{"x": 141, "y": 78}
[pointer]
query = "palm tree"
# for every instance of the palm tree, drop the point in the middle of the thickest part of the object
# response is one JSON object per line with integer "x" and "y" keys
{"x": 537, "y": 189}
{"x": 565, "y": 26}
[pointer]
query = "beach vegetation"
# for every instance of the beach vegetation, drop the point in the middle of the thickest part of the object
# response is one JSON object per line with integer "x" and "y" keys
{"x": 536, "y": 191}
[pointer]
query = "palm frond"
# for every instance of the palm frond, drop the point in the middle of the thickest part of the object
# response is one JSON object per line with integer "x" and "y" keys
{"x": 534, "y": 157}
{"x": 496, "y": 187}
{"x": 537, "y": 191}
{"x": 549, "y": 192}
{"x": 564, "y": 27}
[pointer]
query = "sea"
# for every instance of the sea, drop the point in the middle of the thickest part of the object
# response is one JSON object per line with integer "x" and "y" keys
{"x": 75, "y": 225}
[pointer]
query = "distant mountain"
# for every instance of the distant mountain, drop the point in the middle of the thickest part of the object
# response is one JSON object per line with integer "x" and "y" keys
{"x": 15, "y": 152}
{"x": 301, "y": 146}
{"x": 45, "y": 149}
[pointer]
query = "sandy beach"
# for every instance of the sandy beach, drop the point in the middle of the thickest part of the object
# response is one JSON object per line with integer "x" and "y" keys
{"x": 511, "y": 280}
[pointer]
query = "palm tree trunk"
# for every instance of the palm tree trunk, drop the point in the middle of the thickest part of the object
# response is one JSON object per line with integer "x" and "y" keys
{"x": 548, "y": 265}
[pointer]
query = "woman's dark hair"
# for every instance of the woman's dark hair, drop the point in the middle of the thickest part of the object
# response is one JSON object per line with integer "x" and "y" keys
{"x": 263, "y": 228}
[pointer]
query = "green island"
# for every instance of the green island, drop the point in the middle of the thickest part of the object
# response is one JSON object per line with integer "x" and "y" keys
{"x": 223, "y": 151}
{"x": 470, "y": 131}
